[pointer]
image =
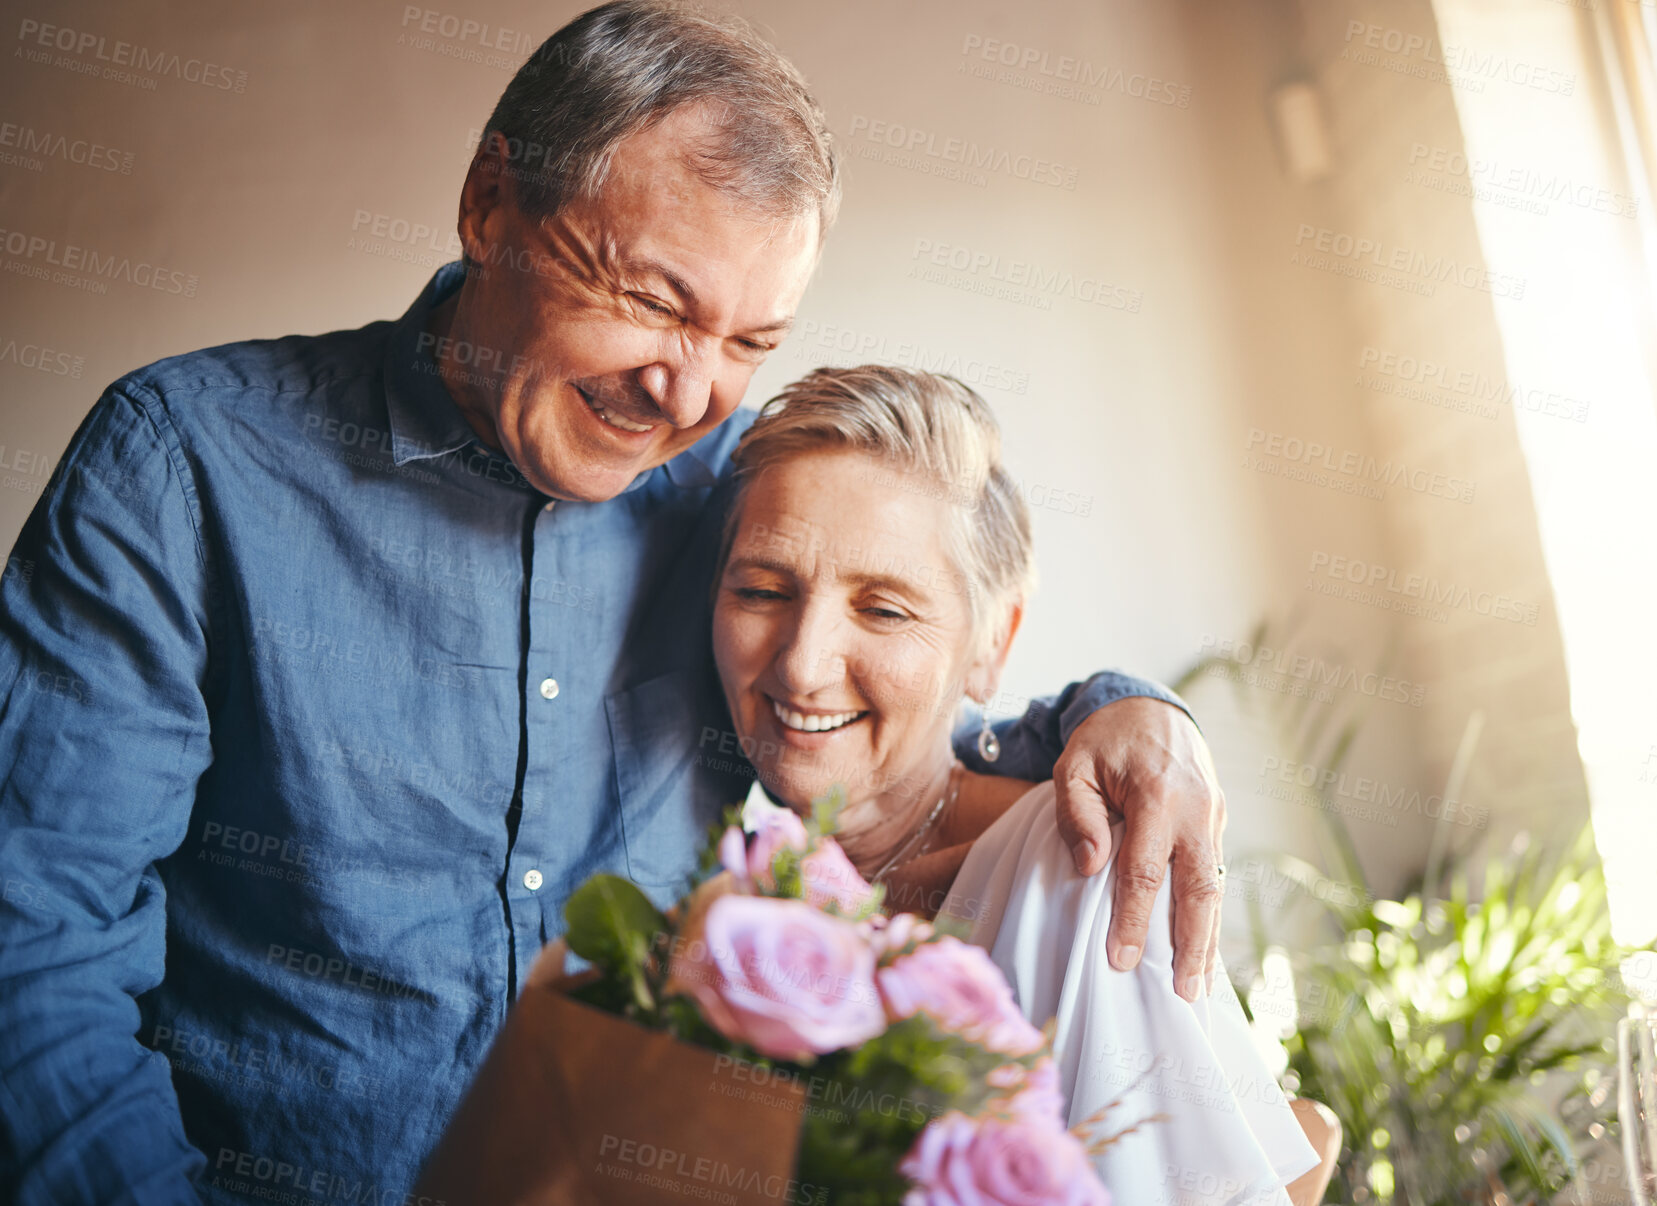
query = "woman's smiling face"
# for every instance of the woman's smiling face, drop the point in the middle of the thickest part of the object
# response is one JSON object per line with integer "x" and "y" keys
{"x": 842, "y": 628}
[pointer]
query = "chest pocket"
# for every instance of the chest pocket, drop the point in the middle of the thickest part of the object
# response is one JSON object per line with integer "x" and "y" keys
{"x": 672, "y": 778}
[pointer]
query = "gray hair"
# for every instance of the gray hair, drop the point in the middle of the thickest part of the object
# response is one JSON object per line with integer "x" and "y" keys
{"x": 622, "y": 67}
{"x": 939, "y": 438}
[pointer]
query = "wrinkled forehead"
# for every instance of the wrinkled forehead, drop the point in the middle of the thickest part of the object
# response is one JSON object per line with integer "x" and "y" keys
{"x": 732, "y": 269}
{"x": 784, "y": 539}
{"x": 858, "y": 526}
{"x": 688, "y": 154}
{"x": 681, "y": 165}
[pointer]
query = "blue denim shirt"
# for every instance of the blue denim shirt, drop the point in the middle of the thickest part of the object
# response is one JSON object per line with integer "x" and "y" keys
{"x": 314, "y": 712}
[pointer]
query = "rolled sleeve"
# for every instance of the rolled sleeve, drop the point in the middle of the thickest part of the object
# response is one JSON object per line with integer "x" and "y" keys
{"x": 103, "y": 736}
{"x": 1031, "y": 743}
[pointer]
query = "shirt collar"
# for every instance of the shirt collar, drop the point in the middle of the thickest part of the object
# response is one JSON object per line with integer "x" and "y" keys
{"x": 426, "y": 423}
{"x": 689, "y": 470}
{"x": 424, "y": 420}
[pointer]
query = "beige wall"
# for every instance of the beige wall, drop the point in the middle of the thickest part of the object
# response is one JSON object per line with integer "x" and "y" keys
{"x": 1133, "y": 421}
{"x": 1393, "y": 133}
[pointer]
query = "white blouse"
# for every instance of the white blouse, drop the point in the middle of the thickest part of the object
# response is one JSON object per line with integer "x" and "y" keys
{"x": 1228, "y": 1134}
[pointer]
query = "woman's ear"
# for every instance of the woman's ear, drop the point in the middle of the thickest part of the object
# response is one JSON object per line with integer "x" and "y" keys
{"x": 984, "y": 675}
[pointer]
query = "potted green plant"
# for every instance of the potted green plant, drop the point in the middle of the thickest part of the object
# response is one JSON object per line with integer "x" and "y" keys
{"x": 1463, "y": 1031}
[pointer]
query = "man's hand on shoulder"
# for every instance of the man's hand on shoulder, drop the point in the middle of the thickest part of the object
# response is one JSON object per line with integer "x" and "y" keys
{"x": 1145, "y": 761}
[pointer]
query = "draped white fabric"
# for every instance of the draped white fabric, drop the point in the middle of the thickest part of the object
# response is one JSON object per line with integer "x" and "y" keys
{"x": 1227, "y": 1134}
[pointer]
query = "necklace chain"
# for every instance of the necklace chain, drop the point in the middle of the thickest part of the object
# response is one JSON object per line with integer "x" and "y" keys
{"x": 904, "y": 854}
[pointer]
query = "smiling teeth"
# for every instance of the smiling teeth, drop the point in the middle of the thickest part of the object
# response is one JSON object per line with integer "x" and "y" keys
{"x": 812, "y": 724}
{"x": 613, "y": 419}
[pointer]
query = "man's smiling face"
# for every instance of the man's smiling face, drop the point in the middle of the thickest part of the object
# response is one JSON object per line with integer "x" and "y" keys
{"x": 630, "y": 324}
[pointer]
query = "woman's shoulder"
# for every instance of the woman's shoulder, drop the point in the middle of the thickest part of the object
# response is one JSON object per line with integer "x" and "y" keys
{"x": 983, "y": 801}
{"x": 1023, "y": 864}
{"x": 1015, "y": 847}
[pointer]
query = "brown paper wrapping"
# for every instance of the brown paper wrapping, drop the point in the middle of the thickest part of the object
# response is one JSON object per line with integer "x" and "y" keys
{"x": 576, "y": 1106}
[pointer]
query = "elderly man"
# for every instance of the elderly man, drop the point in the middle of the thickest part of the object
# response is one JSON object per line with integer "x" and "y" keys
{"x": 329, "y": 661}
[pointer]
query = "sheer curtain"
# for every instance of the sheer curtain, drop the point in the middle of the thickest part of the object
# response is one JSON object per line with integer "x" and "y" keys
{"x": 1583, "y": 148}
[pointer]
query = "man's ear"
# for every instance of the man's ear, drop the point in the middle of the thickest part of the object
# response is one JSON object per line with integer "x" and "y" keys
{"x": 984, "y": 675}
{"x": 482, "y": 198}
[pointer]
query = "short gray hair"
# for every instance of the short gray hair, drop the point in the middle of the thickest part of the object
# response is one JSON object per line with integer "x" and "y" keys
{"x": 622, "y": 67}
{"x": 939, "y": 437}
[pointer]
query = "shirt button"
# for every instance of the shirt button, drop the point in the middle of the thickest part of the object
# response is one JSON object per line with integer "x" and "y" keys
{"x": 549, "y": 688}
{"x": 532, "y": 880}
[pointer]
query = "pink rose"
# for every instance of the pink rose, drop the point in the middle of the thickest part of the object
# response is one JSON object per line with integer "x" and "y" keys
{"x": 1018, "y": 1161}
{"x": 1034, "y": 1090}
{"x": 778, "y": 829}
{"x": 733, "y": 852}
{"x": 780, "y": 975}
{"x": 830, "y": 878}
{"x": 891, "y": 934}
{"x": 963, "y": 991}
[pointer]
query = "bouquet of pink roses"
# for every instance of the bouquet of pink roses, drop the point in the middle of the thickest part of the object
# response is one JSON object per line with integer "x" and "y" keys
{"x": 923, "y": 1082}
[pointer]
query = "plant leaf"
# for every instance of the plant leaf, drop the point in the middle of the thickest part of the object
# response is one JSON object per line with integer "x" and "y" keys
{"x": 612, "y": 923}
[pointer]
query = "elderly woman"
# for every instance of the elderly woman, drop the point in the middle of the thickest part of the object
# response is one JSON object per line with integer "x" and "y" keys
{"x": 874, "y": 573}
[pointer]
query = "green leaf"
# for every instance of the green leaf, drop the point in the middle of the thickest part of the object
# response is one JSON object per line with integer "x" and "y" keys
{"x": 866, "y": 1106}
{"x": 825, "y": 812}
{"x": 1451, "y": 1016}
{"x": 612, "y": 924}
